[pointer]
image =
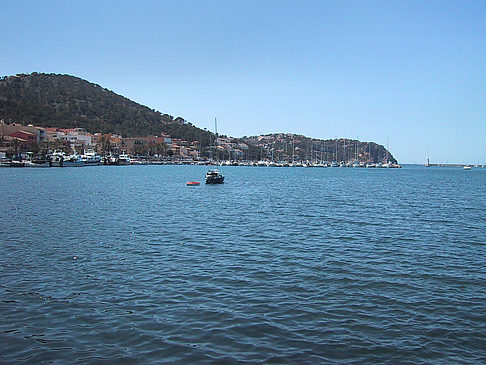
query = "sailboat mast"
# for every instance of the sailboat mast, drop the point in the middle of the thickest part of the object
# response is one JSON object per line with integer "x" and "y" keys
{"x": 293, "y": 150}
{"x": 335, "y": 154}
{"x": 387, "y": 151}
{"x": 216, "y": 140}
{"x": 312, "y": 150}
{"x": 344, "y": 148}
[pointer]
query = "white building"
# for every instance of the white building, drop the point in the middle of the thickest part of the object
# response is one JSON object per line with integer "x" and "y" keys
{"x": 76, "y": 136}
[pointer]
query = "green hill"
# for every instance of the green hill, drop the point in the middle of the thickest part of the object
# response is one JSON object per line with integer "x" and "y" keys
{"x": 66, "y": 101}
{"x": 289, "y": 146}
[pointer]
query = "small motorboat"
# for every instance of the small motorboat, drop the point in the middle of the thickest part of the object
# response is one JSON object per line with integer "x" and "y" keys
{"x": 192, "y": 183}
{"x": 214, "y": 177}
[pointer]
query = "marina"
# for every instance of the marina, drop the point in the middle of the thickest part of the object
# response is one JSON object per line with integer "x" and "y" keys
{"x": 77, "y": 161}
{"x": 59, "y": 159}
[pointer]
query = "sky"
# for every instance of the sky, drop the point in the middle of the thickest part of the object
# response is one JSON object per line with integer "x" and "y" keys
{"x": 412, "y": 73}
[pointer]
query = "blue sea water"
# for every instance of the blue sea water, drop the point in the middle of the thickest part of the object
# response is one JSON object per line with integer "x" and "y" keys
{"x": 278, "y": 265}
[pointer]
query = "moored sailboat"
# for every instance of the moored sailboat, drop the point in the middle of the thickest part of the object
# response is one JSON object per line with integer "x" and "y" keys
{"x": 214, "y": 176}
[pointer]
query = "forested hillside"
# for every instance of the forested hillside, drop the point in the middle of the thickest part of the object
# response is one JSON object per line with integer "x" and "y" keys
{"x": 67, "y": 101}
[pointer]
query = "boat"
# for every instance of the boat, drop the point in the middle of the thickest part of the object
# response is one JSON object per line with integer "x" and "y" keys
{"x": 36, "y": 161}
{"x": 124, "y": 159}
{"x": 57, "y": 158}
{"x": 109, "y": 160}
{"x": 74, "y": 160}
{"x": 17, "y": 161}
{"x": 37, "y": 164}
{"x": 91, "y": 158}
{"x": 4, "y": 162}
{"x": 214, "y": 176}
{"x": 467, "y": 167}
{"x": 192, "y": 183}
{"x": 134, "y": 161}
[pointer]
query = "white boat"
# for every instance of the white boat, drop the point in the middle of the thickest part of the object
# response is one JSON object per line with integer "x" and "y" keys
{"x": 57, "y": 158}
{"x": 16, "y": 163}
{"x": 90, "y": 157}
{"x": 4, "y": 162}
{"x": 467, "y": 167}
{"x": 74, "y": 160}
{"x": 140, "y": 162}
{"x": 124, "y": 159}
{"x": 110, "y": 160}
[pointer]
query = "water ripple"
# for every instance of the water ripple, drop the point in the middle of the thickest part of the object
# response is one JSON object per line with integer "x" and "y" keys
{"x": 277, "y": 266}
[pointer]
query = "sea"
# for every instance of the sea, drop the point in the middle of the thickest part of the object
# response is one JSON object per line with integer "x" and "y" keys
{"x": 128, "y": 264}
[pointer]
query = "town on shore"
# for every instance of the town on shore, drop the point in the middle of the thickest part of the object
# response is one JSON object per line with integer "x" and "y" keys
{"x": 34, "y": 146}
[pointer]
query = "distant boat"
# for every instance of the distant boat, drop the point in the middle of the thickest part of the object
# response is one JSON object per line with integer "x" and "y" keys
{"x": 60, "y": 159}
{"x": 15, "y": 163}
{"x": 466, "y": 168}
{"x": 36, "y": 161}
{"x": 124, "y": 159}
{"x": 192, "y": 183}
{"x": 90, "y": 157}
{"x": 74, "y": 160}
{"x": 57, "y": 158}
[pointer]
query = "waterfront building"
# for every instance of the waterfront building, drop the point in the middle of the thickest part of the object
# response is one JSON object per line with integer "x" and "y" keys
{"x": 9, "y": 129}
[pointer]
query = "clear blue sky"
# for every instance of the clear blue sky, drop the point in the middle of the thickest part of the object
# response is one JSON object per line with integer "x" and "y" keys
{"x": 412, "y": 71}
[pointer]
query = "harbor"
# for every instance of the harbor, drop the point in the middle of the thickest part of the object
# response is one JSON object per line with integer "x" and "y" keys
{"x": 57, "y": 160}
{"x": 34, "y": 146}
